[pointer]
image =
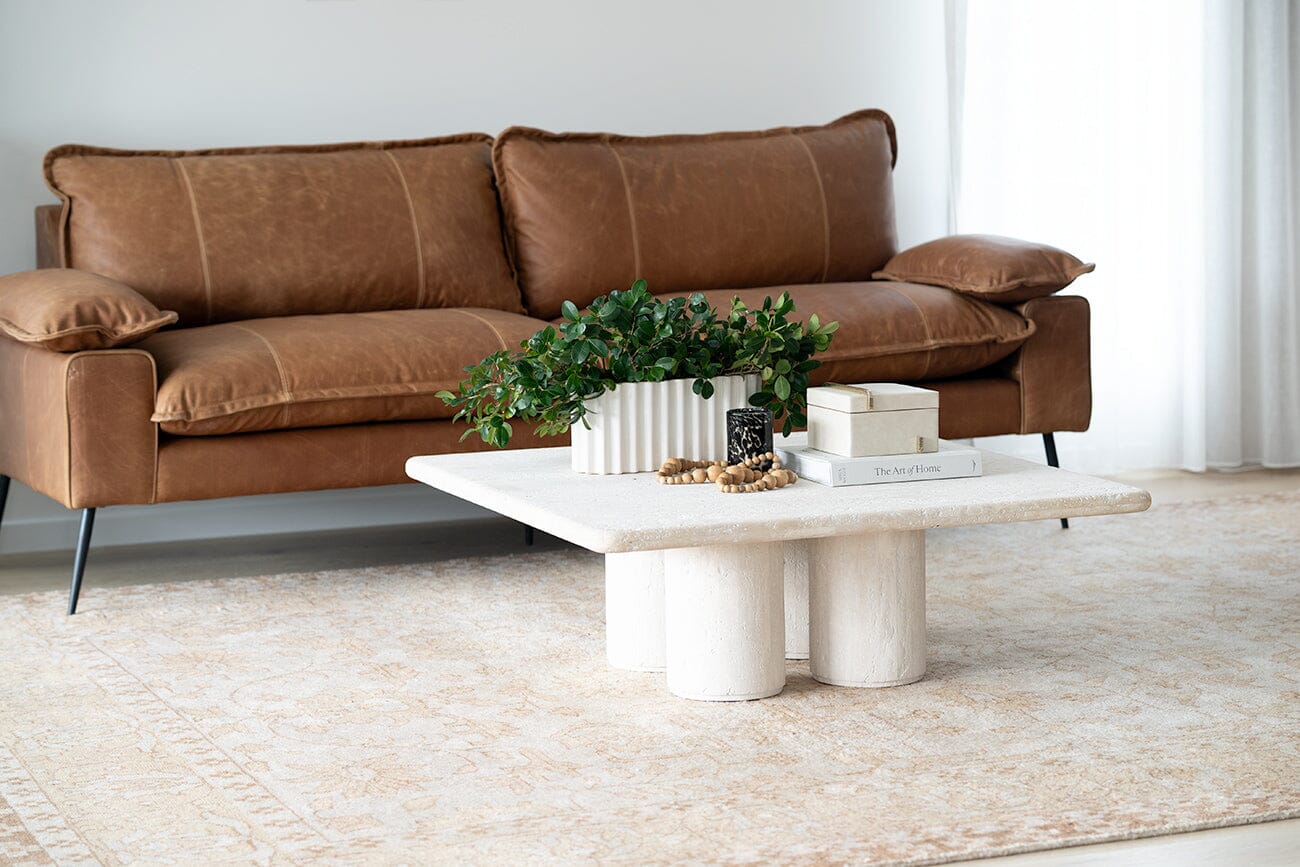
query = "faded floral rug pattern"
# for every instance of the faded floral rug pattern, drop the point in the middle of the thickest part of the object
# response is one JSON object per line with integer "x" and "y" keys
{"x": 1131, "y": 676}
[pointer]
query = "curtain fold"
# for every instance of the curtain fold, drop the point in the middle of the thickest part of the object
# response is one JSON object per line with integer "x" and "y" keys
{"x": 1158, "y": 139}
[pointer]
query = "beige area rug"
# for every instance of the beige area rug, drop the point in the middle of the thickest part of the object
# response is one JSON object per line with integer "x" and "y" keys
{"x": 1135, "y": 675}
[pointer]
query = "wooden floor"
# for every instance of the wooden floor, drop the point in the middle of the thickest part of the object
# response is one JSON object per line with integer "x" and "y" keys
{"x": 1274, "y": 843}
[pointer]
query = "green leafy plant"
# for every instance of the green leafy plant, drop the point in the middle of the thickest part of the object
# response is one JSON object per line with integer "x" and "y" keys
{"x": 633, "y": 336}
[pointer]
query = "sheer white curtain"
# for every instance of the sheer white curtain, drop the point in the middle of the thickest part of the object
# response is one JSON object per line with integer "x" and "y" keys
{"x": 1160, "y": 140}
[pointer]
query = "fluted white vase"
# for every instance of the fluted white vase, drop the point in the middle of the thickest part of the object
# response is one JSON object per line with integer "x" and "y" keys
{"x": 639, "y": 425}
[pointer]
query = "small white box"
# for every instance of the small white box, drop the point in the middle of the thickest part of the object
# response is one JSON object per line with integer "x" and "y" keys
{"x": 873, "y": 418}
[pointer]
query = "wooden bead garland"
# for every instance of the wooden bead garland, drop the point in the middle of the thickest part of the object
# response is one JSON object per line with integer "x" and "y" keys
{"x": 680, "y": 471}
{"x": 759, "y": 472}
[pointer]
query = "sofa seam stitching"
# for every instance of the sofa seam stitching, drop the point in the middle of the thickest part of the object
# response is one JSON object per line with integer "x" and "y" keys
{"x": 501, "y": 337}
{"x": 153, "y": 367}
{"x": 423, "y": 388}
{"x": 27, "y": 441}
{"x": 925, "y": 323}
{"x": 631, "y": 211}
{"x": 179, "y": 166}
{"x": 415, "y": 227}
{"x": 826, "y": 214}
{"x": 928, "y": 346}
{"x": 22, "y": 335}
{"x": 285, "y": 392}
{"x": 67, "y": 422}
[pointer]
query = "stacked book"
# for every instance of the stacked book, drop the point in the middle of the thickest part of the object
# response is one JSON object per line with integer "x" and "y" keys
{"x": 951, "y": 461}
{"x": 875, "y": 433}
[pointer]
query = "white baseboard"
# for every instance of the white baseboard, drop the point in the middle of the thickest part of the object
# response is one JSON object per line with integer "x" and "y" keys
{"x": 35, "y": 523}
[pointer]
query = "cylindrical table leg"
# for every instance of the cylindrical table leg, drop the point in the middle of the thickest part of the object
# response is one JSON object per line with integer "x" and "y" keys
{"x": 796, "y": 599}
{"x": 866, "y": 601}
{"x": 634, "y": 610}
{"x": 725, "y": 621}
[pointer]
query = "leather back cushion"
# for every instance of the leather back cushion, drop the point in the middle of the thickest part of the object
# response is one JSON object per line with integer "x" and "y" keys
{"x": 591, "y": 212}
{"x": 230, "y": 234}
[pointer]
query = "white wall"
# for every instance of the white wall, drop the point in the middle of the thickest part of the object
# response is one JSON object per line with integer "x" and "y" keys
{"x": 167, "y": 74}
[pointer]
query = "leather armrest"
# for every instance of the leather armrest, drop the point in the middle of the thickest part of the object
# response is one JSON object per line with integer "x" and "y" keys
{"x": 1054, "y": 366}
{"x": 75, "y": 426}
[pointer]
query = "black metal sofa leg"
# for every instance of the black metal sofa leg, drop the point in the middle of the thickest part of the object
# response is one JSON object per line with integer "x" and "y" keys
{"x": 528, "y": 535}
{"x": 79, "y": 564}
{"x": 83, "y": 544}
{"x": 4, "y": 495}
{"x": 1049, "y": 443}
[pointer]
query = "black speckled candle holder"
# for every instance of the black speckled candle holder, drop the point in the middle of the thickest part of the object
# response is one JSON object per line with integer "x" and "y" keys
{"x": 749, "y": 432}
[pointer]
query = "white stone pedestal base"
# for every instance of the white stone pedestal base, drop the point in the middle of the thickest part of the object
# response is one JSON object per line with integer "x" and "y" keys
{"x": 796, "y": 599}
{"x": 866, "y": 601}
{"x": 634, "y": 610}
{"x": 724, "y": 621}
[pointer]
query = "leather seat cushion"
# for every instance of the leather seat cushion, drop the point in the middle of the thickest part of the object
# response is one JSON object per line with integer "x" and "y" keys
{"x": 901, "y": 332}
{"x": 313, "y": 371}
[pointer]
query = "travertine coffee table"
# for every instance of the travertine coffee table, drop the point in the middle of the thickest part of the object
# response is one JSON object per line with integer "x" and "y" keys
{"x": 698, "y": 582}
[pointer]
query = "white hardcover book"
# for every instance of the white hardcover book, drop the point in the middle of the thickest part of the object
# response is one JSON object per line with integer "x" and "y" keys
{"x": 951, "y": 461}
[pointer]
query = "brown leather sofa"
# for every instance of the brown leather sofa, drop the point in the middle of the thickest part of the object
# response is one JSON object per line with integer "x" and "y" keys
{"x": 324, "y": 294}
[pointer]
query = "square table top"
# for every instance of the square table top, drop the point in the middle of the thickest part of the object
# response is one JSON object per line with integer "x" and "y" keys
{"x": 633, "y": 512}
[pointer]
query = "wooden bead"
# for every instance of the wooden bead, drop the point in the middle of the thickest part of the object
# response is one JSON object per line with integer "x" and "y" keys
{"x": 759, "y": 472}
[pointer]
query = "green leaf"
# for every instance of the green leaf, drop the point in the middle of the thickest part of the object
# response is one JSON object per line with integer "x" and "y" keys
{"x": 782, "y": 388}
{"x": 783, "y": 366}
{"x": 668, "y": 364}
{"x": 500, "y": 435}
{"x": 598, "y": 347}
{"x": 639, "y": 286}
{"x": 569, "y": 311}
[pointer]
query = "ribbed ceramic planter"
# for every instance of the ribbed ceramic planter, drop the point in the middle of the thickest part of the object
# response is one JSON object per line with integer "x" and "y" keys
{"x": 639, "y": 425}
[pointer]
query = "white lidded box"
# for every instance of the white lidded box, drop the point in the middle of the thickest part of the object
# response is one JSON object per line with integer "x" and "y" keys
{"x": 873, "y": 418}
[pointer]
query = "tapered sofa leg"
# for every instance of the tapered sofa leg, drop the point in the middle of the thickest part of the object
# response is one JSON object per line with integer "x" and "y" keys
{"x": 528, "y": 535}
{"x": 79, "y": 564}
{"x": 4, "y": 495}
{"x": 1049, "y": 443}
